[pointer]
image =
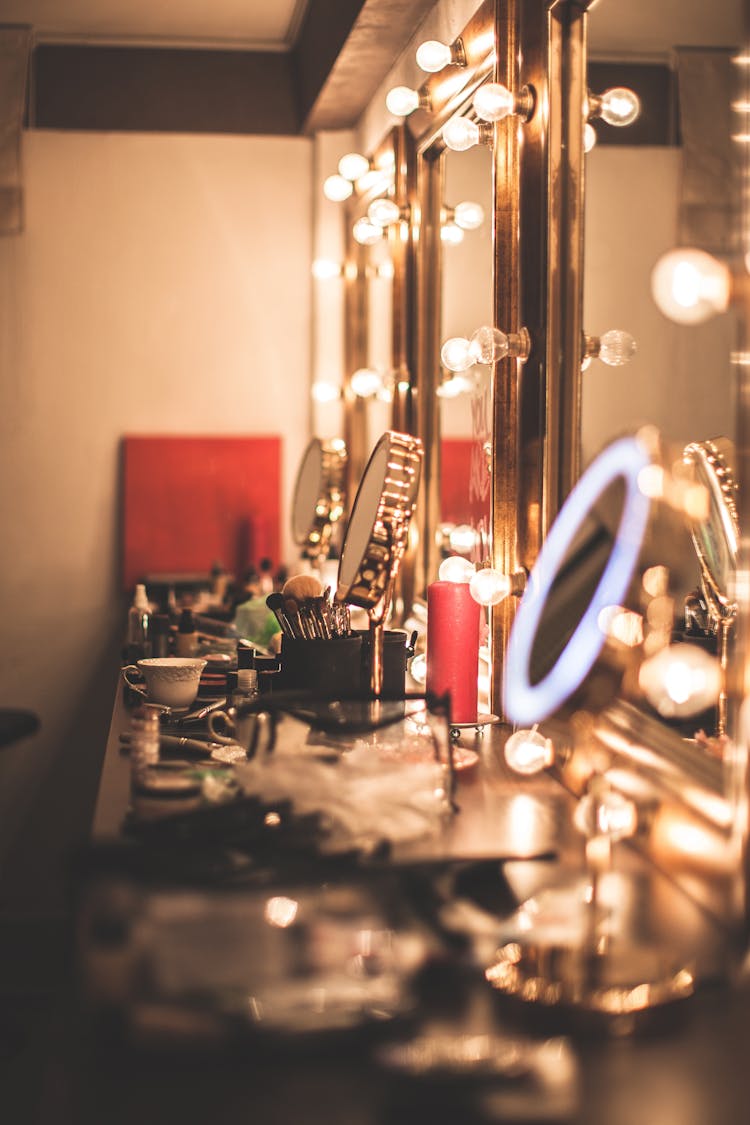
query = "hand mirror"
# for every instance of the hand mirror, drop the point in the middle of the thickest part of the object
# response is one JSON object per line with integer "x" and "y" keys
{"x": 318, "y": 498}
{"x": 376, "y": 535}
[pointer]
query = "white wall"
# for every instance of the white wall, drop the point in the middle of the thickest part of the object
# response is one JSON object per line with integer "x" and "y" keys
{"x": 162, "y": 285}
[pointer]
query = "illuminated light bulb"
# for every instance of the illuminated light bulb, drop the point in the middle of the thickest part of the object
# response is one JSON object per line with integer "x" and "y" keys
{"x": 401, "y": 101}
{"x": 366, "y": 233}
{"x": 456, "y": 569}
{"x": 680, "y": 680}
{"x": 353, "y": 165}
{"x": 622, "y": 624}
{"x": 365, "y": 382}
{"x": 619, "y": 106}
{"x": 468, "y": 215}
{"x": 451, "y": 234}
{"x": 462, "y": 538}
{"x": 489, "y": 587}
{"x": 528, "y": 752}
{"x": 325, "y": 392}
{"x": 589, "y": 137}
{"x": 651, "y": 481}
{"x": 606, "y": 813}
{"x": 455, "y": 386}
{"x": 488, "y": 345}
{"x": 616, "y": 347}
{"x": 655, "y": 581}
{"x": 418, "y": 668}
{"x": 324, "y": 268}
{"x": 493, "y": 102}
{"x": 281, "y": 911}
{"x": 689, "y": 285}
{"x": 456, "y": 354}
{"x": 337, "y": 189}
{"x": 386, "y": 270}
{"x": 383, "y": 212}
{"x": 460, "y": 133}
{"x": 433, "y": 55}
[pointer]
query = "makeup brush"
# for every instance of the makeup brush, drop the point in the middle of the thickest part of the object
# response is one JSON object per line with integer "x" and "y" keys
{"x": 301, "y": 587}
{"x": 275, "y": 603}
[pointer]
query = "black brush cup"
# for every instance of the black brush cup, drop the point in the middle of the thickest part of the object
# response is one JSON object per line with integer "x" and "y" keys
{"x": 394, "y": 663}
{"x": 332, "y": 669}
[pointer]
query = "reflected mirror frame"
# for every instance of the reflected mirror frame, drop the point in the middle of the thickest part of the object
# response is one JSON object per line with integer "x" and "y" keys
{"x": 449, "y": 91}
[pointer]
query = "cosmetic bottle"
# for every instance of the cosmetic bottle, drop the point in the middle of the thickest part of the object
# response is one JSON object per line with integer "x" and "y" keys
{"x": 186, "y": 643}
{"x": 160, "y": 638}
{"x": 138, "y": 642}
{"x": 247, "y": 675}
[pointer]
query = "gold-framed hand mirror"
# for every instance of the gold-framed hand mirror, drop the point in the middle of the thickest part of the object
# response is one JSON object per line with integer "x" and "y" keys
{"x": 377, "y": 533}
{"x": 318, "y": 500}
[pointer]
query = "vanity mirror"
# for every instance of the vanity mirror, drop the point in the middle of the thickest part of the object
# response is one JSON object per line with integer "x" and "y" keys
{"x": 592, "y": 658}
{"x": 319, "y": 500}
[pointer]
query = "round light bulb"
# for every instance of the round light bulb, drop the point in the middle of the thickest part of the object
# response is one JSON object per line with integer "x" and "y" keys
{"x": 451, "y": 234}
{"x": 325, "y": 392}
{"x": 337, "y": 189}
{"x": 680, "y": 680}
{"x": 456, "y": 569}
{"x": 460, "y": 133}
{"x": 493, "y": 102}
{"x": 619, "y": 106}
{"x": 418, "y": 668}
{"x": 401, "y": 101}
{"x": 383, "y": 212}
{"x": 365, "y": 382}
{"x": 353, "y": 165}
{"x": 462, "y": 538}
{"x": 528, "y": 752}
{"x": 433, "y": 55}
{"x": 456, "y": 354}
{"x": 366, "y": 233}
{"x": 589, "y": 137}
{"x": 468, "y": 215}
{"x": 689, "y": 285}
{"x": 616, "y": 347}
{"x": 489, "y": 587}
{"x": 488, "y": 345}
{"x": 607, "y": 813}
{"x": 324, "y": 269}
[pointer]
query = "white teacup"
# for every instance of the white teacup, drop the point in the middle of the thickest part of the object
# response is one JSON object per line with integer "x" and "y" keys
{"x": 170, "y": 680}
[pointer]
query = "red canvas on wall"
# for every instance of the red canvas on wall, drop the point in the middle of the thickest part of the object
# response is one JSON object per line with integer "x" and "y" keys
{"x": 188, "y": 501}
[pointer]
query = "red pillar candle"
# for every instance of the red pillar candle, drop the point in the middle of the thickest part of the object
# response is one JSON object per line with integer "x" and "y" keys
{"x": 453, "y": 619}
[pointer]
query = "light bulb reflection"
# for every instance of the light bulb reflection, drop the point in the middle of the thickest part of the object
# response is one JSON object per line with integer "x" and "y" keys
{"x": 489, "y": 587}
{"x": 337, "y": 189}
{"x": 323, "y": 269}
{"x": 468, "y": 215}
{"x": 605, "y": 812}
{"x": 418, "y": 668}
{"x": 456, "y": 569}
{"x": 528, "y": 752}
{"x": 451, "y": 234}
{"x": 680, "y": 680}
{"x": 459, "y": 384}
{"x": 589, "y": 137}
{"x": 401, "y": 101}
{"x": 462, "y": 539}
{"x": 323, "y": 392}
{"x": 488, "y": 345}
{"x": 689, "y": 285}
{"x": 280, "y": 911}
{"x": 616, "y": 347}
{"x": 365, "y": 382}
{"x": 619, "y": 106}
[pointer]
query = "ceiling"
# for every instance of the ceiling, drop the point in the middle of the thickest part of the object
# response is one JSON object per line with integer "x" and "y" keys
{"x": 257, "y": 24}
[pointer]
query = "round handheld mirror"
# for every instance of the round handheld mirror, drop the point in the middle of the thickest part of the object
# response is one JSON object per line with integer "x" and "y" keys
{"x": 716, "y": 537}
{"x": 377, "y": 532}
{"x": 318, "y": 498}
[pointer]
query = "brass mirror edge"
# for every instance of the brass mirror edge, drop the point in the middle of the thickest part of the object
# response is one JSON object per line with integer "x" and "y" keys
{"x": 446, "y": 92}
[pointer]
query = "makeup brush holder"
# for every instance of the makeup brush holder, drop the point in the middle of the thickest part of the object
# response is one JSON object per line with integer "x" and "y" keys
{"x": 332, "y": 669}
{"x": 394, "y": 663}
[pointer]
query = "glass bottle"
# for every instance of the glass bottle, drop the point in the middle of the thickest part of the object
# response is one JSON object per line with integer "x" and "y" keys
{"x": 138, "y": 641}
